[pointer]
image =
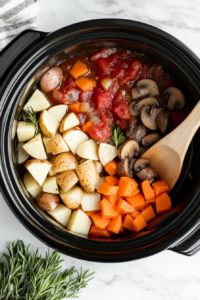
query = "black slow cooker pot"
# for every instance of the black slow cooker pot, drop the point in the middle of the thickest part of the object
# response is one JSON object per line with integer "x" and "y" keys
{"x": 24, "y": 61}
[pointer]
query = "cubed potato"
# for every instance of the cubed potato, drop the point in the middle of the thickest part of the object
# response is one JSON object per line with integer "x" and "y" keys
{"x": 35, "y": 147}
{"x": 106, "y": 153}
{"x": 61, "y": 214}
{"x": 46, "y": 141}
{"x": 58, "y": 145}
{"x": 58, "y": 111}
{"x": 47, "y": 201}
{"x": 91, "y": 201}
{"x": 22, "y": 155}
{"x": 50, "y": 185}
{"x": 99, "y": 182}
{"x": 79, "y": 222}
{"x": 68, "y": 122}
{"x": 74, "y": 138}
{"x": 31, "y": 185}
{"x": 72, "y": 198}
{"x": 25, "y": 132}
{"x": 38, "y": 102}
{"x": 67, "y": 180}
{"x": 64, "y": 162}
{"x": 87, "y": 175}
{"x": 48, "y": 124}
{"x": 88, "y": 149}
{"x": 98, "y": 166}
{"x": 38, "y": 169}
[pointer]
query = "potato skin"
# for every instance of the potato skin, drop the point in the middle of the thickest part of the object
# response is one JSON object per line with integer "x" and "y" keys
{"x": 88, "y": 175}
{"x": 67, "y": 180}
{"x": 72, "y": 199}
{"x": 66, "y": 161}
{"x": 47, "y": 201}
{"x": 51, "y": 79}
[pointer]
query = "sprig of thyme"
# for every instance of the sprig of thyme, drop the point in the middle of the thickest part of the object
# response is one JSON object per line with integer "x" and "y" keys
{"x": 31, "y": 116}
{"x": 29, "y": 276}
{"x": 117, "y": 136}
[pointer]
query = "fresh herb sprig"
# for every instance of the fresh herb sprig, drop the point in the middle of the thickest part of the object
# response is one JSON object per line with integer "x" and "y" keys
{"x": 29, "y": 276}
{"x": 117, "y": 136}
{"x": 32, "y": 119}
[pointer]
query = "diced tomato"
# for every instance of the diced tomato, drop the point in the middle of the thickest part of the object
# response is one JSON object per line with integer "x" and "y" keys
{"x": 100, "y": 132}
{"x": 103, "y": 53}
{"x": 104, "y": 101}
{"x": 123, "y": 124}
{"x": 86, "y": 96}
{"x": 156, "y": 72}
{"x": 122, "y": 111}
{"x": 70, "y": 82}
{"x": 132, "y": 72}
{"x": 104, "y": 65}
{"x": 107, "y": 117}
{"x": 119, "y": 98}
{"x": 144, "y": 72}
{"x": 112, "y": 59}
{"x": 83, "y": 118}
{"x": 119, "y": 73}
{"x": 175, "y": 119}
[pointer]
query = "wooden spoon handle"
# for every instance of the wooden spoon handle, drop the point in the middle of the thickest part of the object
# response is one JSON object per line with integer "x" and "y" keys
{"x": 179, "y": 139}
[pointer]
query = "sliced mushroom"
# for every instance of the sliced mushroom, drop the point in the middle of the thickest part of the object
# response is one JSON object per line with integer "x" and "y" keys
{"x": 125, "y": 168}
{"x": 150, "y": 139}
{"x": 128, "y": 149}
{"x": 162, "y": 121}
{"x": 146, "y": 101}
{"x": 137, "y": 133}
{"x": 136, "y": 93}
{"x": 176, "y": 98}
{"x": 145, "y": 87}
{"x": 141, "y": 163}
{"x": 149, "y": 115}
{"x": 148, "y": 173}
{"x": 133, "y": 109}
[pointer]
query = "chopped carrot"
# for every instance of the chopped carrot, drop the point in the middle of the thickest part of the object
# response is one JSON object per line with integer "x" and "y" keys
{"x": 107, "y": 209}
{"x": 75, "y": 107}
{"x": 115, "y": 224}
{"x": 127, "y": 186}
{"x": 112, "y": 180}
{"x": 152, "y": 201}
{"x": 111, "y": 168}
{"x": 123, "y": 207}
{"x": 134, "y": 214}
{"x": 135, "y": 192}
{"x": 122, "y": 228}
{"x": 160, "y": 187}
{"x": 99, "y": 221}
{"x": 99, "y": 232}
{"x": 79, "y": 69}
{"x": 113, "y": 199}
{"x": 128, "y": 222}
{"x": 136, "y": 201}
{"x": 147, "y": 190}
{"x": 85, "y": 84}
{"x": 163, "y": 203}
{"x": 139, "y": 223}
{"x": 108, "y": 189}
{"x": 87, "y": 126}
{"x": 148, "y": 213}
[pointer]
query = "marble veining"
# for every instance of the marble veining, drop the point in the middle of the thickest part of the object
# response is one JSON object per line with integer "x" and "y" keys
{"x": 167, "y": 275}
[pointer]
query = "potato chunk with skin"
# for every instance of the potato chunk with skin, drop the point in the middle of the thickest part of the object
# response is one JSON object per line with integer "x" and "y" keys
{"x": 46, "y": 141}
{"x": 25, "y": 132}
{"x": 61, "y": 214}
{"x": 58, "y": 145}
{"x": 50, "y": 185}
{"x": 88, "y": 175}
{"x": 47, "y": 201}
{"x": 91, "y": 201}
{"x": 68, "y": 122}
{"x": 38, "y": 169}
{"x": 74, "y": 138}
{"x": 64, "y": 162}
{"x": 38, "y": 102}
{"x": 31, "y": 185}
{"x": 107, "y": 153}
{"x": 79, "y": 222}
{"x": 88, "y": 150}
{"x": 72, "y": 198}
{"x": 67, "y": 180}
{"x": 58, "y": 111}
{"x": 48, "y": 124}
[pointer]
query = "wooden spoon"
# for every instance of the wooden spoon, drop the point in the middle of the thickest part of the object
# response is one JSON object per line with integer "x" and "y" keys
{"x": 167, "y": 155}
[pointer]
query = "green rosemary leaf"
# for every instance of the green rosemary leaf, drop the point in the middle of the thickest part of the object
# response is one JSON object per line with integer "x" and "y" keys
{"x": 32, "y": 119}
{"x": 117, "y": 136}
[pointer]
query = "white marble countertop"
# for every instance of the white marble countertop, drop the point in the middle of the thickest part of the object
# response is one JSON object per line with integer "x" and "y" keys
{"x": 167, "y": 275}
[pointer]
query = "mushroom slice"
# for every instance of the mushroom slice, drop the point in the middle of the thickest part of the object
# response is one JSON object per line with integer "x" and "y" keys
{"x": 128, "y": 149}
{"x": 150, "y": 139}
{"x": 148, "y": 87}
{"x": 148, "y": 173}
{"x": 137, "y": 133}
{"x": 162, "y": 121}
{"x": 125, "y": 168}
{"x": 136, "y": 93}
{"x": 146, "y": 101}
{"x": 133, "y": 109}
{"x": 148, "y": 116}
{"x": 176, "y": 98}
{"x": 141, "y": 163}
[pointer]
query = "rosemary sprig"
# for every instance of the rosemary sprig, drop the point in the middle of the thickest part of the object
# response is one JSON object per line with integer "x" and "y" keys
{"x": 29, "y": 276}
{"x": 117, "y": 136}
{"x": 31, "y": 116}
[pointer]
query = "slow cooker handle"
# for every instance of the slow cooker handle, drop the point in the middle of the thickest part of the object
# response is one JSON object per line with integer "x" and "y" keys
{"x": 17, "y": 46}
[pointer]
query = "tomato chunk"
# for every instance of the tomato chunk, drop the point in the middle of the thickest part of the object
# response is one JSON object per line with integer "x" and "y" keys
{"x": 107, "y": 117}
{"x": 86, "y": 96}
{"x": 122, "y": 111}
{"x": 123, "y": 124}
{"x": 104, "y": 101}
{"x": 100, "y": 132}
{"x": 103, "y": 53}
{"x": 104, "y": 65}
